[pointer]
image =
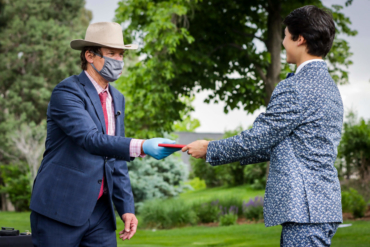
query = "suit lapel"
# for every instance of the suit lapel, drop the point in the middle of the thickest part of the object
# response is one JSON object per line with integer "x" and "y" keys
{"x": 116, "y": 109}
{"x": 94, "y": 97}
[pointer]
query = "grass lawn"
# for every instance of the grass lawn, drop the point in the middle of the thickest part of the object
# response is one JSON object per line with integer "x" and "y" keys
{"x": 356, "y": 235}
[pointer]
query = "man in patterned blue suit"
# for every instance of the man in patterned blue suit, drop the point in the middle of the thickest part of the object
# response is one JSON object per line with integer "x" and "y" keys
{"x": 299, "y": 134}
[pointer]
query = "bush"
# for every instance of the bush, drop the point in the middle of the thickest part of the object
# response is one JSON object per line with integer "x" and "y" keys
{"x": 210, "y": 210}
{"x": 256, "y": 175}
{"x": 228, "y": 217}
{"x": 17, "y": 185}
{"x": 151, "y": 178}
{"x": 353, "y": 202}
{"x": 363, "y": 188}
{"x": 207, "y": 212}
{"x": 253, "y": 210}
{"x": 167, "y": 214}
{"x": 196, "y": 183}
{"x": 230, "y": 174}
{"x": 232, "y": 201}
{"x": 213, "y": 176}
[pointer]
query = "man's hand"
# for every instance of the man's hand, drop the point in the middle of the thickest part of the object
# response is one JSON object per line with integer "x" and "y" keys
{"x": 197, "y": 149}
{"x": 130, "y": 226}
{"x": 150, "y": 147}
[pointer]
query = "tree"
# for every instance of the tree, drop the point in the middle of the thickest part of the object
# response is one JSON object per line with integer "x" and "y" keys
{"x": 29, "y": 142}
{"x": 231, "y": 47}
{"x": 35, "y": 56}
{"x": 354, "y": 149}
{"x": 187, "y": 123}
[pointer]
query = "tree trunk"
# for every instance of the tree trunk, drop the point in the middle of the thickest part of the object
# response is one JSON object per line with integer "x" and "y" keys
{"x": 6, "y": 204}
{"x": 273, "y": 43}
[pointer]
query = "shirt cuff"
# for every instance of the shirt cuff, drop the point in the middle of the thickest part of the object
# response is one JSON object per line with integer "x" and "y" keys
{"x": 135, "y": 148}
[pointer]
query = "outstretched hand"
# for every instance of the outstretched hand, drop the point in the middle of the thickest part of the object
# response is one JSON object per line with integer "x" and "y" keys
{"x": 197, "y": 149}
{"x": 150, "y": 147}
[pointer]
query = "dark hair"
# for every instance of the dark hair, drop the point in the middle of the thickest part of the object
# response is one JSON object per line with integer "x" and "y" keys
{"x": 93, "y": 49}
{"x": 315, "y": 25}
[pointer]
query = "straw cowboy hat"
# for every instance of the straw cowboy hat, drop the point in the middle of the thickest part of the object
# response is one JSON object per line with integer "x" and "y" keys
{"x": 103, "y": 34}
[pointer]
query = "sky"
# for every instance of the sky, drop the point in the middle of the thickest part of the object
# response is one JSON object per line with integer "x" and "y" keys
{"x": 355, "y": 95}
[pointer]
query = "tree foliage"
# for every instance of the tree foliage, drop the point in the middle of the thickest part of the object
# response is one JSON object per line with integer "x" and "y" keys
{"x": 16, "y": 180}
{"x": 35, "y": 55}
{"x": 230, "y": 47}
{"x": 354, "y": 149}
{"x": 187, "y": 123}
{"x": 151, "y": 104}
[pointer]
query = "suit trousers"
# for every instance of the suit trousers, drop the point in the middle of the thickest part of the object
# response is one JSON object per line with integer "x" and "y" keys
{"x": 99, "y": 230}
{"x": 307, "y": 234}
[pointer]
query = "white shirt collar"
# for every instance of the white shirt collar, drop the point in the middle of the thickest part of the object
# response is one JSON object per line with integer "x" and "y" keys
{"x": 305, "y": 63}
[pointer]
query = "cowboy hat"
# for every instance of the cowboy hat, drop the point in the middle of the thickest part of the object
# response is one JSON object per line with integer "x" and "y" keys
{"x": 104, "y": 34}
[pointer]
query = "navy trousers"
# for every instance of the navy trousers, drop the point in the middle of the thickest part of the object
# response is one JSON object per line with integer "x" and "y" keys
{"x": 307, "y": 234}
{"x": 99, "y": 230}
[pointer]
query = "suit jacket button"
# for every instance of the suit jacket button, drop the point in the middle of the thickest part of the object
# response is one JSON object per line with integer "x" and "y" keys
{"x": 99, "y": 181}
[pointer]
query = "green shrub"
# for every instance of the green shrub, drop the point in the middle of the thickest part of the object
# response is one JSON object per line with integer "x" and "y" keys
{"x": 253, "y": 210}
{"x": 17, "y": 185}
{"x": 151, "y": 178}
{"x": 228, "y": 216}
{"x": 255, "y": 175}
{"x": 353, "y": 202}
{"x": 228, "y": 219}
{"x": 230, "y": 174}
{"x": 207, "y": 212}
{"x": 210, "y": 210}
{"x": 166, "y": 214}
{"x": 232, "y": 201}
{"x": 212, "y": 175}
{"x": 196, "y": 183}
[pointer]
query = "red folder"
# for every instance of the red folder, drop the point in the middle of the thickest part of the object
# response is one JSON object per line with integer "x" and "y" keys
{"x": 179, "y": 146}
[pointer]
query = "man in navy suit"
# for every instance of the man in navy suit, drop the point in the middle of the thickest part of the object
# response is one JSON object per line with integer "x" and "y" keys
{"x": 299, "y": 134}
{"x": 84, "y": 165}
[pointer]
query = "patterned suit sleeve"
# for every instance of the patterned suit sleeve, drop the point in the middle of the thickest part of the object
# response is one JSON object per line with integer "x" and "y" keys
{"x": 282, "y": 116}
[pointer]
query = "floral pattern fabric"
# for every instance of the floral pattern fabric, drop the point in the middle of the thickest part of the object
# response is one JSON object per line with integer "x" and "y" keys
{"x": 307, "y": 235}
{"x": 299, "y": 134}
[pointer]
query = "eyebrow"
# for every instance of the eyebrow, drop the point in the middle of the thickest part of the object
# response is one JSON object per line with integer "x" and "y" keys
{"x": 110, "y": 50}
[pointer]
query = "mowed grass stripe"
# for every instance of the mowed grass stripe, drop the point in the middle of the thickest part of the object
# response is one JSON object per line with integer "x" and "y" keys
{"x": 356, "y": 235}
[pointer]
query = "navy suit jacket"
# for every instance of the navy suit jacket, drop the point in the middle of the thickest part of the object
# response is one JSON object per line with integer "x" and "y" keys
{"x": 299, "y": 134}
{"x": 79, "y": 152}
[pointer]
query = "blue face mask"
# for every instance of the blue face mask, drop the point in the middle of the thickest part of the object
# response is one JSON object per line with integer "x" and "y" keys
{"x": 111, "y": 70}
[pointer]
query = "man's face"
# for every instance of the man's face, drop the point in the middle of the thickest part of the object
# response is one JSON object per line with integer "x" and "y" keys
{"x": 113, "y": 53}
{"x": 290, "y": 47}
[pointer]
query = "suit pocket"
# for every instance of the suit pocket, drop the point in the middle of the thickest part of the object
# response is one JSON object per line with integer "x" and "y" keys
{"x": 69, "y": 166}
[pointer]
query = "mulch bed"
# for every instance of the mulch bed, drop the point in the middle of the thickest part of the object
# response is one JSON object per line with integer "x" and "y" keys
{"x": 349, "y": 216}
{"x": 242, "y": 221}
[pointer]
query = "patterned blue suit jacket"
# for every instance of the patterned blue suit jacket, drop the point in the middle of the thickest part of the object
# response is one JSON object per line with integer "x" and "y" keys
{"x": 299, "y": 134}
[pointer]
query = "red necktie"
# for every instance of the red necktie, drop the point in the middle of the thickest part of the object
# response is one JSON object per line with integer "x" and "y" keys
{"x": 103, "y": 99}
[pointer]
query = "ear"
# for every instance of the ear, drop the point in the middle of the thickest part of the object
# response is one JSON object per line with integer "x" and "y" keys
{"x": 89, "y": 56}
{"x": 301, "y": 40}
